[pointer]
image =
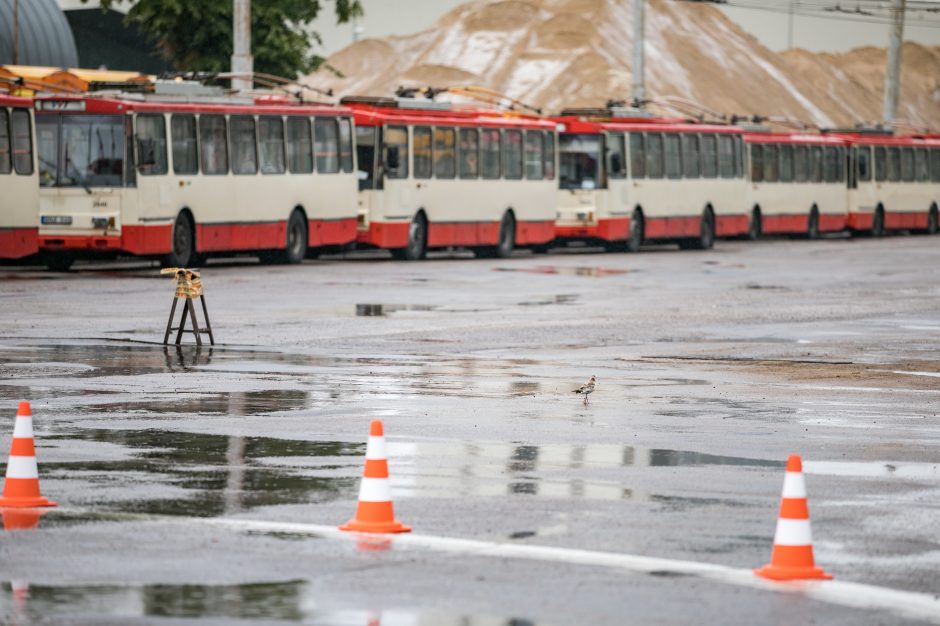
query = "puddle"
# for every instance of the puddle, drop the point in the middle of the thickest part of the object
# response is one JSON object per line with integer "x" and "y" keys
{"x": 595, "y": 272}
{"x": 382, "y": 310}
{"x": 288, "y": 601}
{"x": 564, "y": 298}
{"x": 873, "y": 469}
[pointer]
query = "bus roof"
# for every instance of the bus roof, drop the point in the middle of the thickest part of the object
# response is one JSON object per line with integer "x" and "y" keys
{"x": 580, "y": 125}
{"x": 386, "y": 111}
{"x": 15, "y": 101}
{"x": 122, "y": 103}
{"x": 910, "y": 141}
{"x": 795, "y": 138}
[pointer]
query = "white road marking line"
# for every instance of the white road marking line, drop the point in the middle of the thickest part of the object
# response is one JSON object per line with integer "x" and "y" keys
{"x": 909, "y": 604}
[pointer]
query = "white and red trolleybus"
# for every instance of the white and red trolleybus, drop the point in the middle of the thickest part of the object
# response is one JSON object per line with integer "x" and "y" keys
{"x": 433, "y": 175}
{"x": 894, "y": 182}
{"x": 19, "y": 189}
{"x": 181, "y": 176}
{"x": 625, "y": 180}
{"x": 796, "y": 183}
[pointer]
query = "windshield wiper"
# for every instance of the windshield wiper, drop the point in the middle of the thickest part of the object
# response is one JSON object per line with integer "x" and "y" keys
{"x": 79, "y": 177}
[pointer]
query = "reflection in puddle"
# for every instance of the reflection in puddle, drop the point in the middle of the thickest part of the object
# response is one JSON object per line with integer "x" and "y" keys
{"x": 292, "y": 601}
{"x": 564, "y": 298}
{"x": 873, "y": 469}
{"x": 596, "y": 272}
{"x": 379, "y": 310}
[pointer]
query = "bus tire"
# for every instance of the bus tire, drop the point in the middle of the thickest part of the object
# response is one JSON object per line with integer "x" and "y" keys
{"x": 933, "y": 221}
{"x": 295, "y": 249}
{"x": 812, "y": 227}
{"x": 58, "y": 261}
{"x": 417, "y": 247}
{"x": 755, "y": 228}
{"x": 878, "y": 223}
{"x": 507, "y": 236}
{"x": 636, "y": 234}
{"x": 706, "y": 237}
{"x": 182, "y": 243}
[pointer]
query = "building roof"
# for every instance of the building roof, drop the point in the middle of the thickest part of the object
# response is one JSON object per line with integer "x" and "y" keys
{"x": 44, "y": 34}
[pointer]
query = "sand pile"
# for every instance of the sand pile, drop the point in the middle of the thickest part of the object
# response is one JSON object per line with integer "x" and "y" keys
{"x": 554, "y": 53}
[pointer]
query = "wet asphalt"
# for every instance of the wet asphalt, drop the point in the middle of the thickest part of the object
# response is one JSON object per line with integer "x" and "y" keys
{"x": 712, "y": 368}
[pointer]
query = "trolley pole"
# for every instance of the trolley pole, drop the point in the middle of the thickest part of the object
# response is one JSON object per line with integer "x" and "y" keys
{"x": 893, "y": 69}
{"x": 639, "y": 42}
{"x": 16, "y": 32}
{"x": 242, "y": 62}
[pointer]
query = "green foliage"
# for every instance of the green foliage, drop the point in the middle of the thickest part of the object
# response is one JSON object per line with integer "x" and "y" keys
{"x": 196, "y": 35}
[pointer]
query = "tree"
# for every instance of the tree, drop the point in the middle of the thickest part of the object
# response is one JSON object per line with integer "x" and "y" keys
{"x": 196, "y": 35}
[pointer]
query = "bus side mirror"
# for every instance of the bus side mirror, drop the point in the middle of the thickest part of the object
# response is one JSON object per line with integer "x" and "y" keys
{"x": 146, "y": 154}
{"x": 616, "y": 164}
{"x": 392, "y": 159}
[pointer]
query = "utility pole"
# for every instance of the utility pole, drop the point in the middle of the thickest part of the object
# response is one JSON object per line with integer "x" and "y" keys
{"x": 639, "y": 42}
{"x": 16, "y": 32}
{"x": 242, "y": 62}
{"x": 893, "y": 69}
{"x": 790, "y": 27}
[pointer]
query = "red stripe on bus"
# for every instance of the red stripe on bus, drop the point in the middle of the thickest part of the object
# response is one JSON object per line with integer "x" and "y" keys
{"x": 16, "y": 243}
{"x": 80, "y": 242}
{"x": 860, "y": 221}
{"x": 832, "y": 223}
{"x": 671, "y": 227}
{"x": 440, "y": 235}
{"x": 535, "y": 232}
{"x": 331, "y": 232}
{"x": 784, "y": 223}
{"x": 146, "y": 240}
{"x": 905, "y": 220}
{"x": 731, "y": 225}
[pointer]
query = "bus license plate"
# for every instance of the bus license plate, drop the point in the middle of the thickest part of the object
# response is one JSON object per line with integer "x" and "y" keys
{"x": 57, "y": 220}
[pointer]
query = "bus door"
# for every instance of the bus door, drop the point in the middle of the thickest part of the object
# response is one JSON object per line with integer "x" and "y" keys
{"x": 863, "y": 177}
{"x": 368, "y": 159}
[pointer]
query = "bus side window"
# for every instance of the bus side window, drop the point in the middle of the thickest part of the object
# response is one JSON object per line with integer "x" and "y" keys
{"x": 691, "y": 156}
{"x": 469, "y": 153}
{"x": 673, "y": 155}
{"x": 654, "y": 155}
{"x": 213, "y": 144}
{"x": 395, "y": 156}
{"x": 637, "y": 156}
{"x": 907, "y": 164}
{"x": 22, "y": 142}
{"x": 799, "y": 164}
{"x": 534, "y": 157}
{"x": 444, "y": 153}
{"x": 244, "y": 148}
{"x": 863, "y": 162}
{"x": 345, "y": 144}
{"x": 549, "y": 162}
{"x": 935, "y": 165}
{"x": 616, "y": 156}
{"x": 830, "y": 169}
{"x": 709, "y": 156}
{"x": 726, "y": 156}
{"x": 738, "y": 156}
{"x": 183, "y": 134}
{"x": 6, "y": 163}
{"x": 894, "y": 165}
{"x": 757, "y": 163}
{"x": 365, "y": 156}
{"x": 921, "y": 169}
{"x": 299, "y": 145}
{"x": 881, "y": 164}
{"x": 490, "y": 151}
{"x": 771, "y": 164}
{"x": 271, "y": 141}
{"x": 326, "y": 145}
{"x": 512, "y": 153}
{"x": 786, "y": 163}
{"x": 151, "y": 145}
{"x": 421, "y": 143}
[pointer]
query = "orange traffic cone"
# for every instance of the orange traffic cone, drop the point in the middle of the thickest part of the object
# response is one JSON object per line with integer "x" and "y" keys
{"x": 792, "y": 557}
{"x": 21, "y": 488}
{"x": 374, "y": 513}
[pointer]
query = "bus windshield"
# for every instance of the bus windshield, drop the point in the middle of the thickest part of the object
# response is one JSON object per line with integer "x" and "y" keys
{"x": 580, "y": 161}
{"x": 81, "y": 150}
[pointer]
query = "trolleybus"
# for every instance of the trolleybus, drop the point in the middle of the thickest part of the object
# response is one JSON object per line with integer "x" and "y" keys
{"x": 894, "y": 183}
{"x": 433, "y": 175}
{"x": 625, "y": 180}
{"x": 182, "y": 176}
{"x": 19, "y": 198}
{"x": 796, "y": 183}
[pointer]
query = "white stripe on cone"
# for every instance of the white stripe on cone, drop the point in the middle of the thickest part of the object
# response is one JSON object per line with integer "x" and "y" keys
{"x": 22, "y": 467}
{"x": 375, "y": 490}
{"x": 793, "y": 532}
{"x": 794, "y": 486}
{"x": 375, "y": 448}
{"x": 23, "y": 427}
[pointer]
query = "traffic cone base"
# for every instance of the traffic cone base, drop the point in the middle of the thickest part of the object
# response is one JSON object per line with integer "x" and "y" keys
{"x": 375, "y": 513}
{"x": 792, "y": 573}
{"x": 21, "y": 487}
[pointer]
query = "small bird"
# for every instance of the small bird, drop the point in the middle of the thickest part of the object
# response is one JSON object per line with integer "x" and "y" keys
{"x": 587, "y": 388}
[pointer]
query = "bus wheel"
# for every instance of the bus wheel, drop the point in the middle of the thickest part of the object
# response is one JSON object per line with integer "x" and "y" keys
{"x": 812, "y": 229}
{"x": 878, "y": 223}
{"x": 507, "y": 236}
{"x": 58, "y": 261}
{"x": 296, "y": 248}
{"x": 932, "y": 222}
{"x": 183, "y": 243}
{"x": 635, "y": 236}
{"x": 756, "y": 228}
{"x": 417, "y": 247}
{"x": 706, "y": 237}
